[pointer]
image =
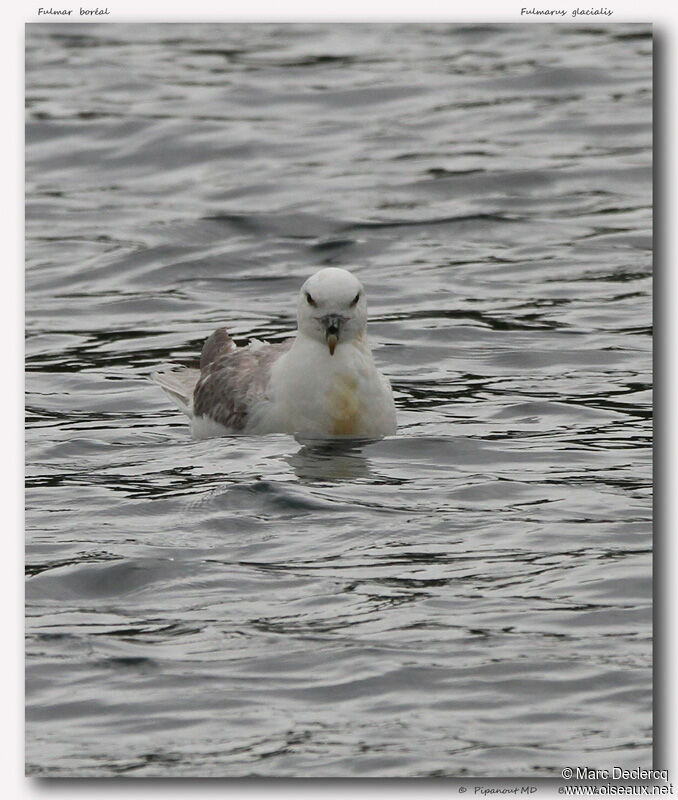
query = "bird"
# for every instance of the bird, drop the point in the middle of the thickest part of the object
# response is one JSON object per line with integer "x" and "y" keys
{"x": 321, "y": 384}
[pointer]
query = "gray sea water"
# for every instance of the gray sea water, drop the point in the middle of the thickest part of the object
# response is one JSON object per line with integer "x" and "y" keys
{"x": 472, "y": 596}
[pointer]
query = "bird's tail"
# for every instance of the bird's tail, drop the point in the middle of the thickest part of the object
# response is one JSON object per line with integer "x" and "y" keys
{"x": 178, "y": 384}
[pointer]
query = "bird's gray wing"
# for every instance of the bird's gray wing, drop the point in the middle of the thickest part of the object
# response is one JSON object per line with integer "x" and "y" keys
{"x": 233, "y": 380}
{"x": 216, "y": 345}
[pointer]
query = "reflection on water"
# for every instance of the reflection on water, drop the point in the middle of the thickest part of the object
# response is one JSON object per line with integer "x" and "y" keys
{"x": 469, "y": 597}
{"x": 331, "y": 462}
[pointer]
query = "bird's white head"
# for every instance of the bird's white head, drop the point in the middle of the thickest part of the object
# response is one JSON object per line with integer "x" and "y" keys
{"x": 332, "y": 308}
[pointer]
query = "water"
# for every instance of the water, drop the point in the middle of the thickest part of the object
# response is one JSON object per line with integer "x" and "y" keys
{"x": 469, "y": 597}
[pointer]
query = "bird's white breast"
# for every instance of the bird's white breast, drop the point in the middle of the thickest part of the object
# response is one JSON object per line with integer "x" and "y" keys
{"x": 314, "y": 393}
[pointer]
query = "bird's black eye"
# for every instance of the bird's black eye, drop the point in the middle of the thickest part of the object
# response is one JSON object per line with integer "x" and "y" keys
{"x": 355, "y": 299}
{"x": 311, "y": 301}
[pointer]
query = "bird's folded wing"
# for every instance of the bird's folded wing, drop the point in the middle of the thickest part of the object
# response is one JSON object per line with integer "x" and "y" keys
{"x": 231, "y": 385}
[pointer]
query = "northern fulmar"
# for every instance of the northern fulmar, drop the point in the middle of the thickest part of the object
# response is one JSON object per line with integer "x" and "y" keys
{"x": 322, "y": 384}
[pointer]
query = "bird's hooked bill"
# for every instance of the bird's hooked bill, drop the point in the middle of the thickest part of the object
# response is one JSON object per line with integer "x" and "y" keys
{"x": 332, "y": 324}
